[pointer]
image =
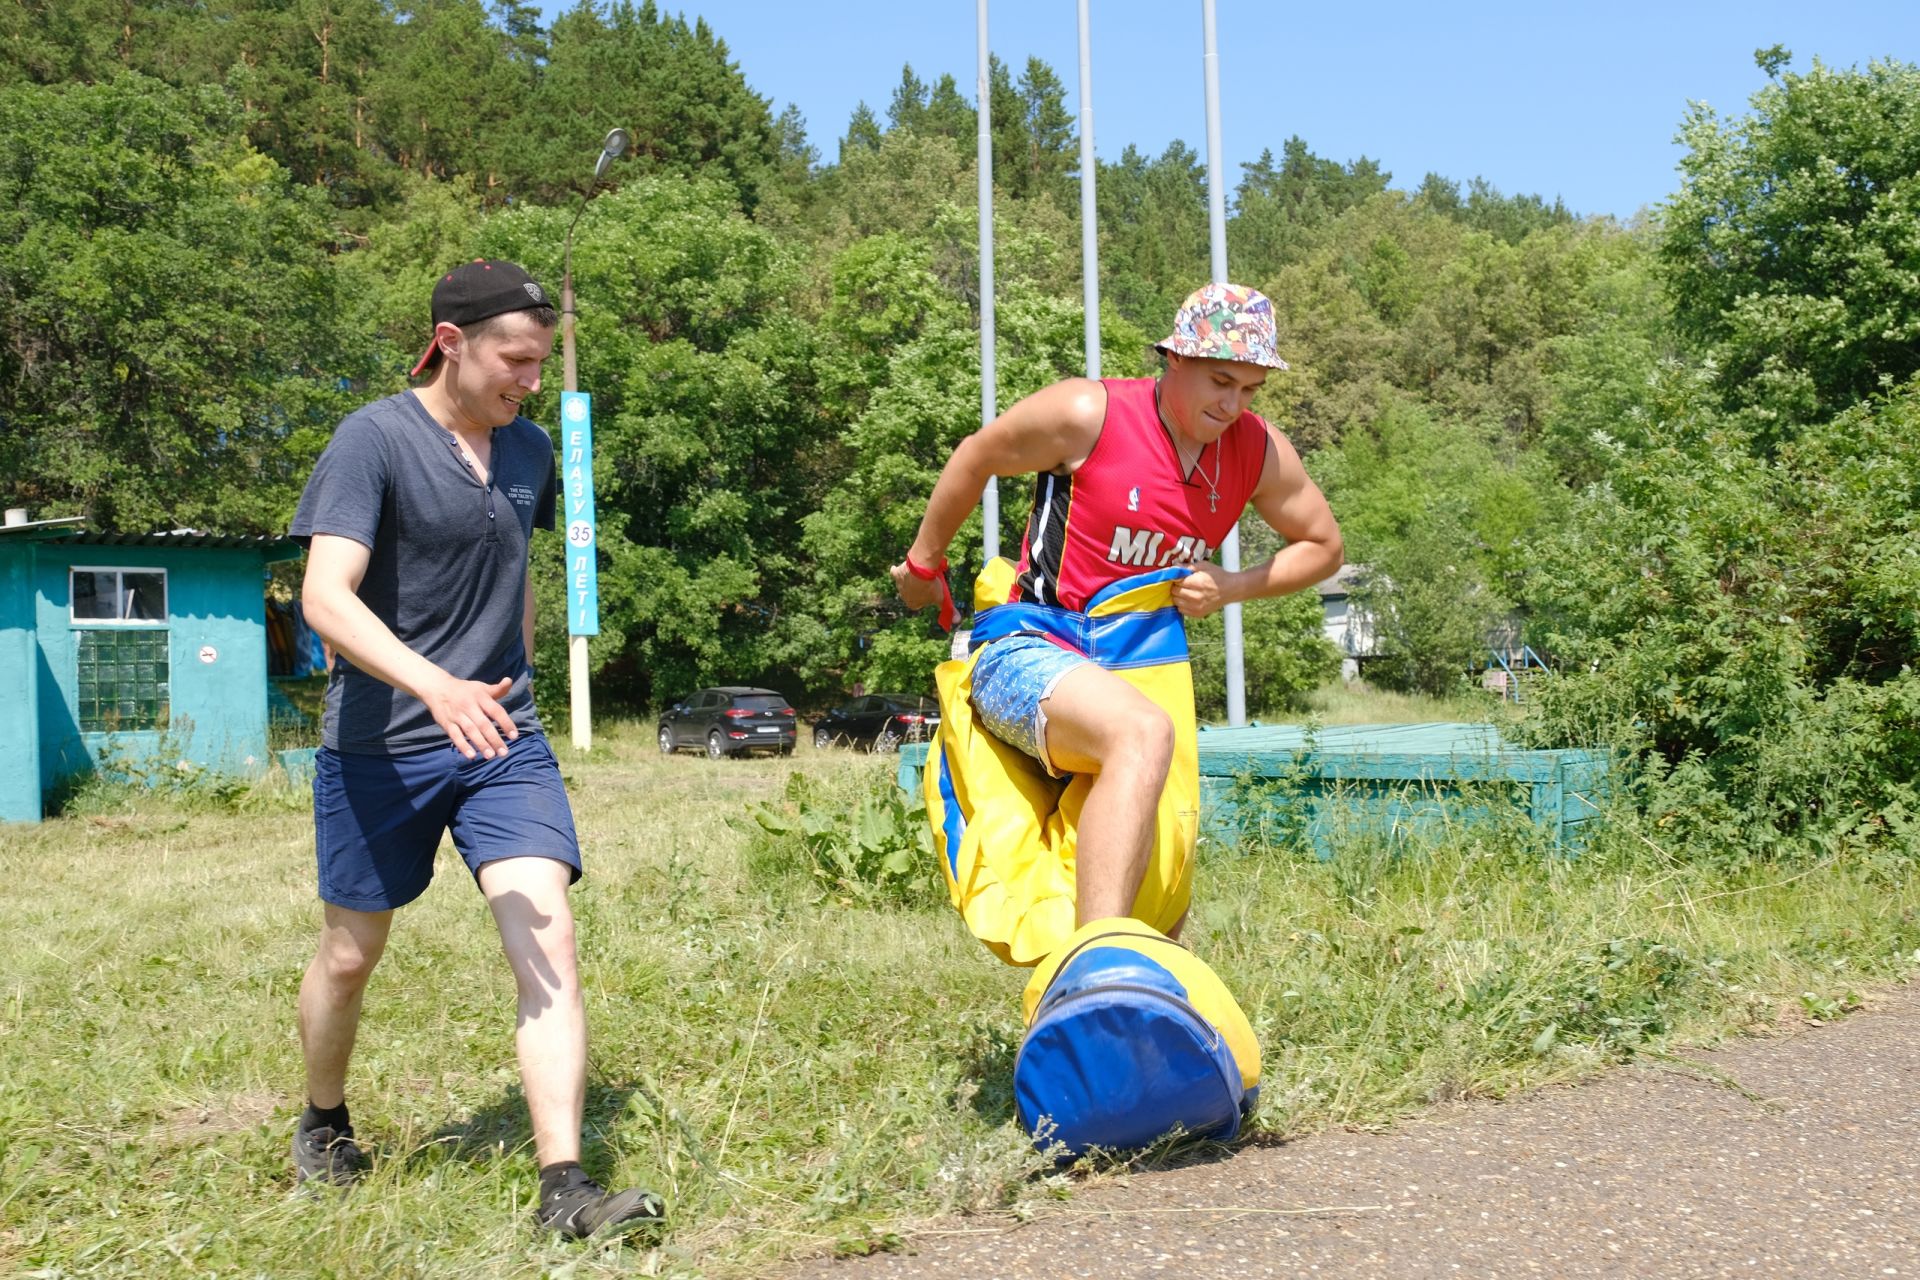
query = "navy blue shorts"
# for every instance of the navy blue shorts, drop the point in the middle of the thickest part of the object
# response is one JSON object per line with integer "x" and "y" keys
{"x": 377, "y": 820}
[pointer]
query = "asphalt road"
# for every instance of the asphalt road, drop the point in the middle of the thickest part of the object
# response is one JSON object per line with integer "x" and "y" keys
{"x": 1797, "y": 1156}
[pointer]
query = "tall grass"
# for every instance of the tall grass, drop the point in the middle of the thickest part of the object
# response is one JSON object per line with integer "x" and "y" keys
{"x": 1338, "y": 702}
{"x": 797, "y": 1066}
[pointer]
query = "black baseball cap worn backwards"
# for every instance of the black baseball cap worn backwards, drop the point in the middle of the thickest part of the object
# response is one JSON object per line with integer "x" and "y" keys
{"x": 475, "y": 291}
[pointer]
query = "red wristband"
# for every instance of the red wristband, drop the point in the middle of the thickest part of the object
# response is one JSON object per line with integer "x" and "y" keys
{"x": 925, "y": 575}
{"x": 947, "y": 609}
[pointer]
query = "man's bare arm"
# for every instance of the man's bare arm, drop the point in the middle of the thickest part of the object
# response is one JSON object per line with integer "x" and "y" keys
{"x": 1053, "y": 429}
{"x": 1293, "y": 507}
{"x": 468, "y": 710}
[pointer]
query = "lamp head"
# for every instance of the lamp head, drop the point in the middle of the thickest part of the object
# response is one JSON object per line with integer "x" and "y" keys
{"x": 612, "y": 149}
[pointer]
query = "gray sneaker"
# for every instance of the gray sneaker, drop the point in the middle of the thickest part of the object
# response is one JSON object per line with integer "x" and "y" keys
{"x": 327, "y": 1156}
{"x": 586, "y": 1209}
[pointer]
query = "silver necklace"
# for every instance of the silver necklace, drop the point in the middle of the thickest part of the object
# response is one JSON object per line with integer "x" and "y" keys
{"x": 1213, "y": 481}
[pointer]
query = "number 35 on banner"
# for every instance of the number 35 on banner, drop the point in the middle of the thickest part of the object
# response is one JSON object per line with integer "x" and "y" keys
{"x": 576, "y": 472}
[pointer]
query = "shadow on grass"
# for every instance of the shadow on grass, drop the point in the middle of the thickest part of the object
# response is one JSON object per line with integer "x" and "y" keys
{"x": 503, "y": 1127}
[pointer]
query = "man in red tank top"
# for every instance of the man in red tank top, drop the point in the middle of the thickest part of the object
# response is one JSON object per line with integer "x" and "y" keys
{"x": 1130, "y": 475}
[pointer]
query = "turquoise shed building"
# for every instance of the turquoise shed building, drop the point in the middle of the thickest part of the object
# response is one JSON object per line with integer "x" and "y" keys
{"x": 130, "y": 648}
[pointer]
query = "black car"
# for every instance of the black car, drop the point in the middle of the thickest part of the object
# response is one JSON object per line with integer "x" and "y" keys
{"x": 728, "y": 721}
{"x": 881, "y": 721}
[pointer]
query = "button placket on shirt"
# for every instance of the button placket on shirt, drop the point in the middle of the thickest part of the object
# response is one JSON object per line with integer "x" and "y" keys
{"x": 493, "y": 528}
{"x": 493, "y": 474}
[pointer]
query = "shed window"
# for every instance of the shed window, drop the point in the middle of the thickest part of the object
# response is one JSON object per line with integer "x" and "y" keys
{"x": 119, "y": 595}
{"x": 123, "y": 679}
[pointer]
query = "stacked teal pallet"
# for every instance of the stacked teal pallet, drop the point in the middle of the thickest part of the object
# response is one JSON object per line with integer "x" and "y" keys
{"x": 1267, "y": 782}
{"x": 1392, "y": 779}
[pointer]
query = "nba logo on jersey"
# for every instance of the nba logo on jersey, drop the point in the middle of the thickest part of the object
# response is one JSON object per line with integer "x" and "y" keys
{"x": 1133, "y": 498}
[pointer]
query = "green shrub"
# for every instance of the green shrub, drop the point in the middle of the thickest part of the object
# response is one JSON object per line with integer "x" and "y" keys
{"x": 123, "y": 776}
{"x": 1747, "y": 627}
{"x": 852, "y": 836}
{"x": 1431, "y": 607}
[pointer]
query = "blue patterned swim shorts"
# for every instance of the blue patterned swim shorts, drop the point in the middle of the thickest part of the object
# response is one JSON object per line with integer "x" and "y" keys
{"x": 1010, "y": 681}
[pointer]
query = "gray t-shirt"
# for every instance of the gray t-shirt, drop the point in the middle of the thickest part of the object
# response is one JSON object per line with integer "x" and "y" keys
{"x": 448, "y": 572}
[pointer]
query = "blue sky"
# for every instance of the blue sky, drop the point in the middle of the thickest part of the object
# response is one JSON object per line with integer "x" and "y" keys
{"x": 1580, "y": 102}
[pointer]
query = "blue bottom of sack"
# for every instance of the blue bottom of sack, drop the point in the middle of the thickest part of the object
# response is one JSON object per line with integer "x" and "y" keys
{"x": 1116, "y": 1058}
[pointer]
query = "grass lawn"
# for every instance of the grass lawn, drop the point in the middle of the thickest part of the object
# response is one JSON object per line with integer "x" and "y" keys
{"x": 798, "y": 1064}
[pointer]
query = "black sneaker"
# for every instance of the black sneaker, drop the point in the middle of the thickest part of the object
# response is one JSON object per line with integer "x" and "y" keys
{"x": 585, "y": 1208}
{"x": 327, "y": 1156}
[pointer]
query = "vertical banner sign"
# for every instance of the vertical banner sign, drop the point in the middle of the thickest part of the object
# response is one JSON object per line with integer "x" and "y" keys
{"x": 576, "y": 471}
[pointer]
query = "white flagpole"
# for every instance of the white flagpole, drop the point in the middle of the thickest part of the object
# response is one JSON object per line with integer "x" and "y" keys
{"x": 1217, "y": 229}
{"x": 989, "y": 387}
{"x": 1089, "y": 215}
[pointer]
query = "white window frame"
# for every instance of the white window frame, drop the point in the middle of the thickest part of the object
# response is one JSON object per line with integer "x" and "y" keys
{"x": 166, "y": 595}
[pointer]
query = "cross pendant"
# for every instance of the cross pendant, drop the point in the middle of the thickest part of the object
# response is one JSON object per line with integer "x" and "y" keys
{"x": 1213, "y": 500}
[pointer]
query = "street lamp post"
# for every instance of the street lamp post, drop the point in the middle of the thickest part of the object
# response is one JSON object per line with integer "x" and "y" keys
{"x": 615, "y": 146}
{"x": 582, "y": 703}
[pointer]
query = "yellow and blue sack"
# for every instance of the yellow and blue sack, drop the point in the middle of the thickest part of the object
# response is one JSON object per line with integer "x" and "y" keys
{"x": 1130, "y": 1036}
{"x": 1004, "y": 829}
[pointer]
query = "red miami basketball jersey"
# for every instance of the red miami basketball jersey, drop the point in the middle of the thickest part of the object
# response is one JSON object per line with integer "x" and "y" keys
{"x": 1128, "y": 509}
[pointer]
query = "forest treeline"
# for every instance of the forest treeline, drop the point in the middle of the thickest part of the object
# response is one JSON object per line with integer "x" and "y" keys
{"x": 1682, "y": 448}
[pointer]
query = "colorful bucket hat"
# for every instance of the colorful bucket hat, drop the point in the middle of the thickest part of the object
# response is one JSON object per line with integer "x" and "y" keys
{"x": 1225, "y": 322}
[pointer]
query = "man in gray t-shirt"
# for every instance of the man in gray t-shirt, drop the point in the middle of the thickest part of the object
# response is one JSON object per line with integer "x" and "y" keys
{"x": 417, "y": 520}
{"x": 396, "y": 482}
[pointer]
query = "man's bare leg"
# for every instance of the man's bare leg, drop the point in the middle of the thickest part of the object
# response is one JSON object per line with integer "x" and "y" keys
{"x": 528, "y": 897}
{"x": 330, "y": 996}
{"x": 1099, "y": 725}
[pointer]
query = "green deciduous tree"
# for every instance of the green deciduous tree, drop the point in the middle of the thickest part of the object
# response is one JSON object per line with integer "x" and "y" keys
{"x": 1446, "y": 518}
{"x": 1605, "y": 376}
{"x": 709, "y": 445}
{"x": 1390, "y": 300}
{"x": 885, "y": 295}
{"x": 174, "y": 348}
{"x": 1430, "y": 606}
{"x": 927, "y": 401}
{"x": 1749, "y": 625}
{"x": 897, "y": 183}
{"x": 1792, "y": 252}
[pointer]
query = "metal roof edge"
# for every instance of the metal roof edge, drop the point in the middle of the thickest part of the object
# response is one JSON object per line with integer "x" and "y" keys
{"x": 271, "y": 548}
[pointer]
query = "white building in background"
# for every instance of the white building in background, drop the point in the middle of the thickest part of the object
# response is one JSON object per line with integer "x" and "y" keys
{"x": 1509, "y": 664}
{"x": 1344, "y": 621}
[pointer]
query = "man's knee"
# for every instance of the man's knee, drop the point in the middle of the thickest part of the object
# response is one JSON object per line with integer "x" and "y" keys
{"x": 346, "y": 961}
{"x": 1158, "y": 729}
{"x": 551, "y": 943}
{"x": 536, "y": 925}
{"x": 1144, "y": 744}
